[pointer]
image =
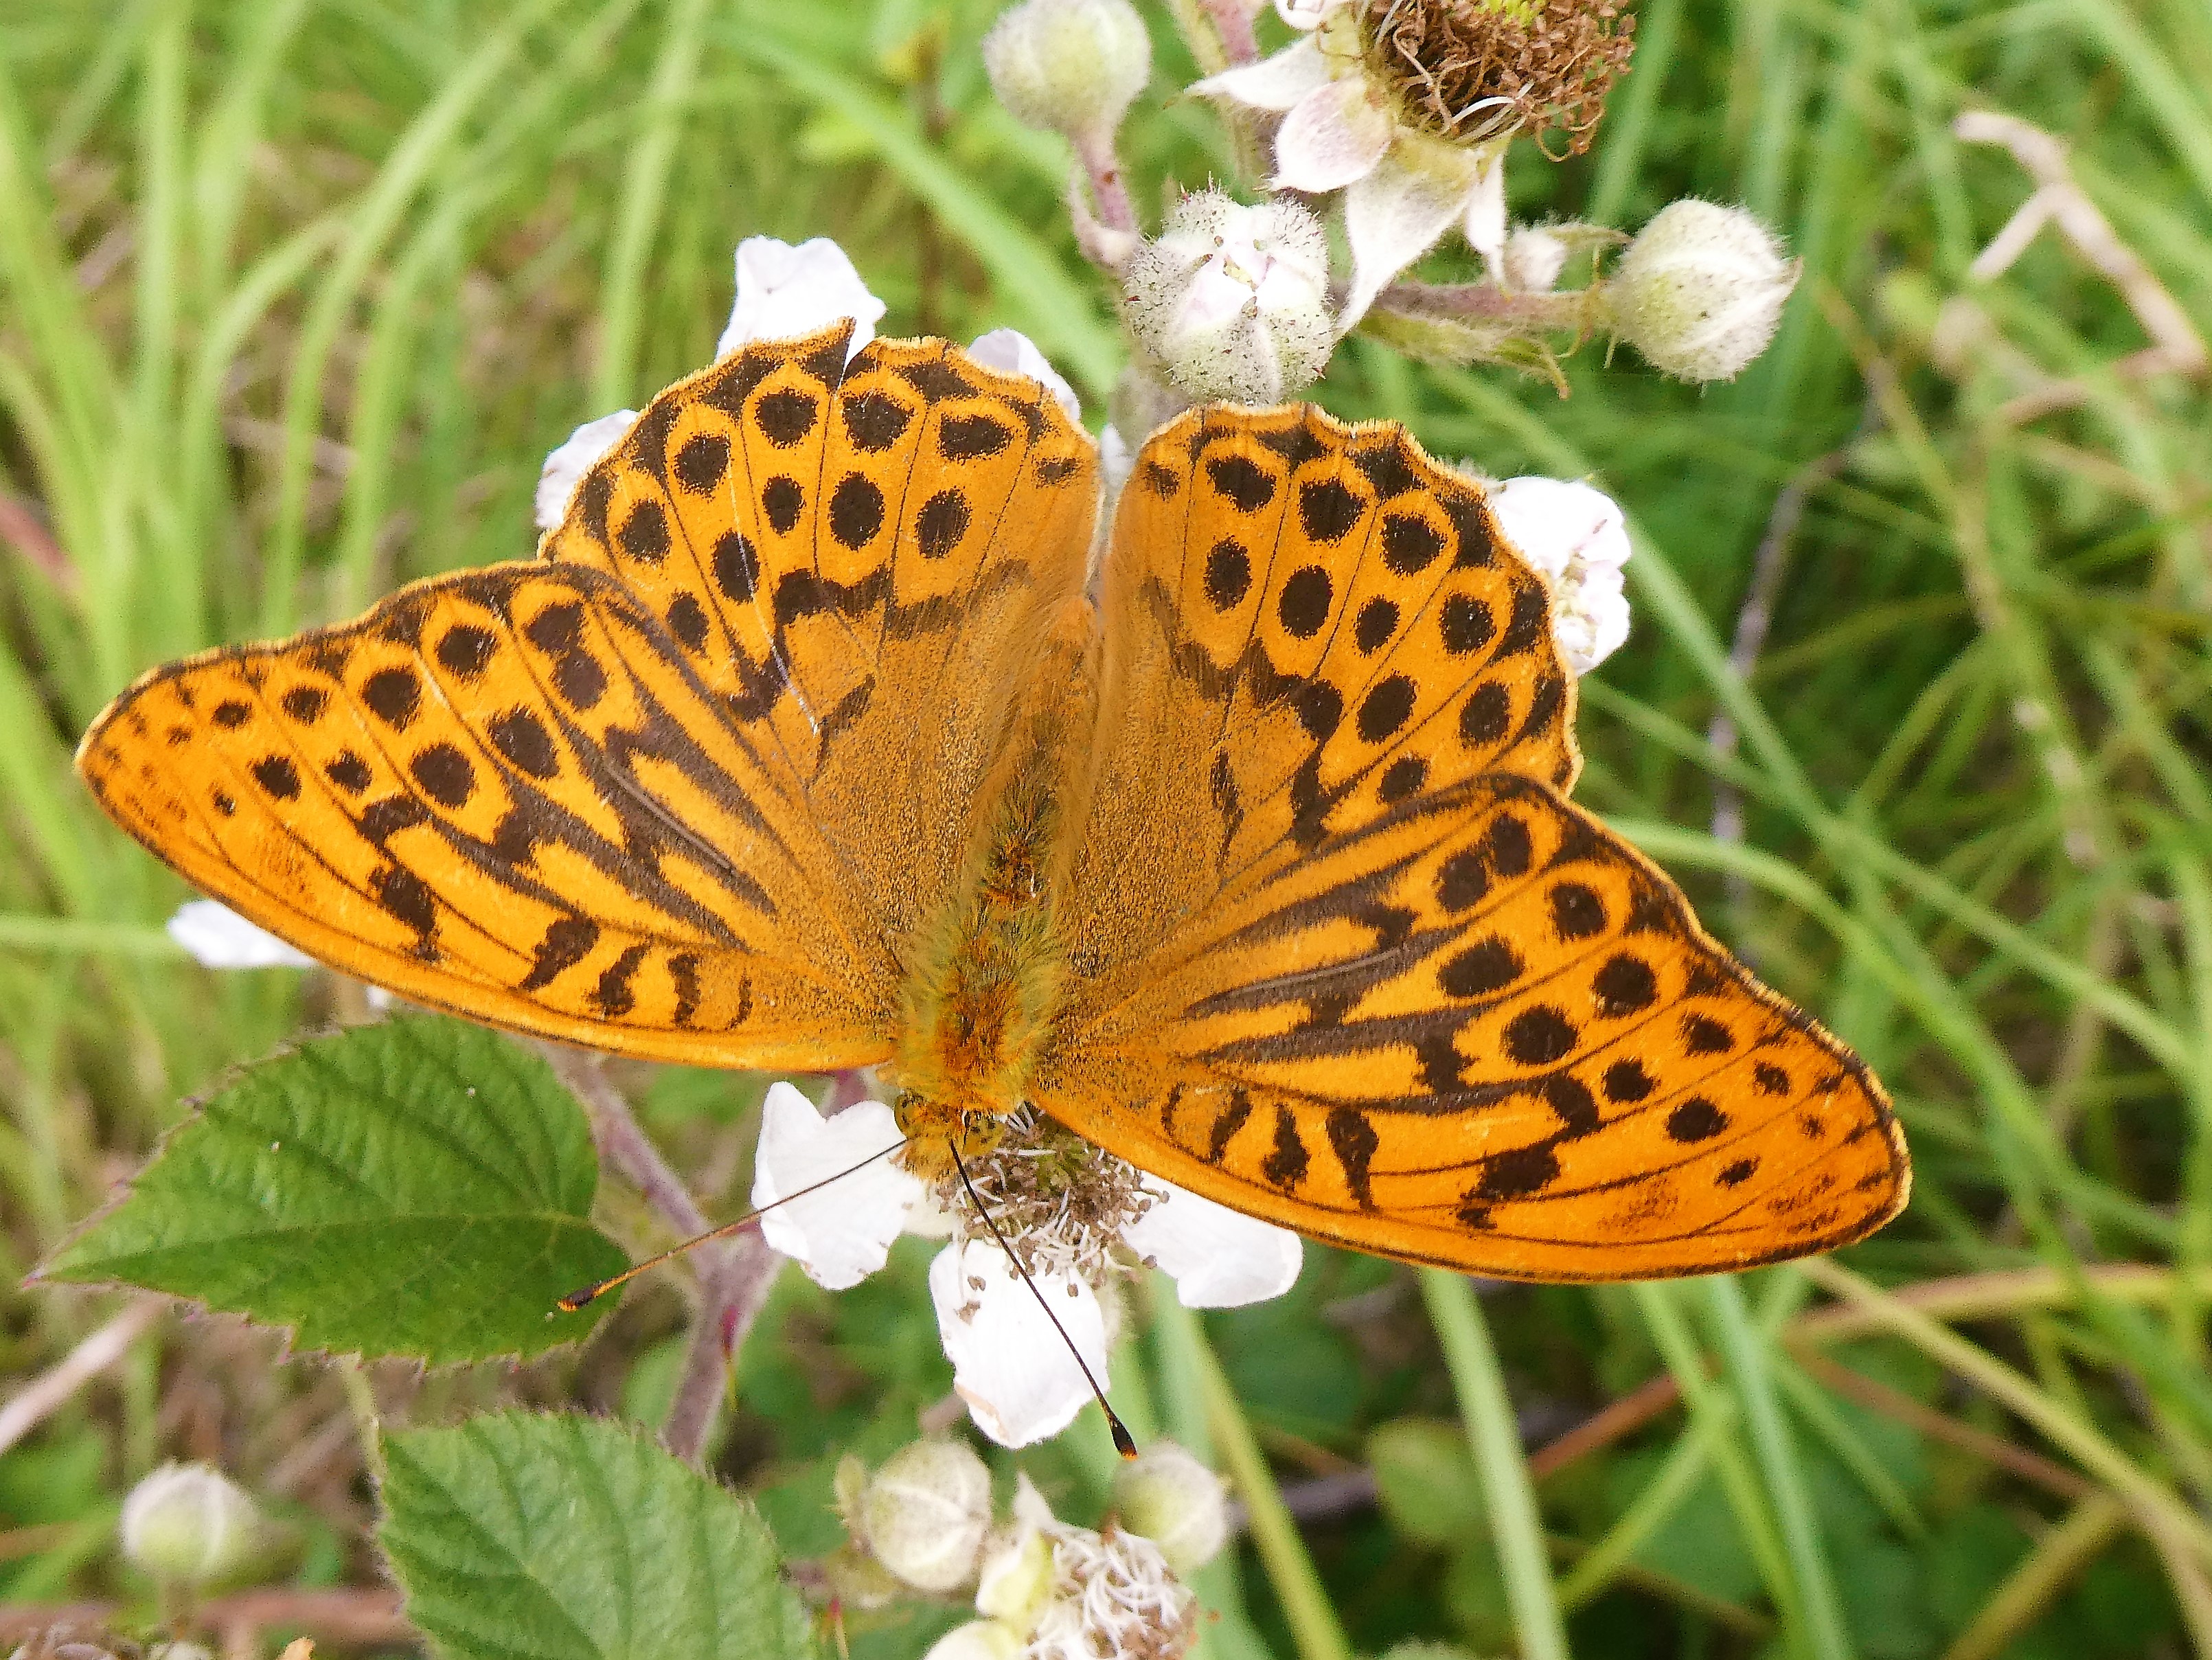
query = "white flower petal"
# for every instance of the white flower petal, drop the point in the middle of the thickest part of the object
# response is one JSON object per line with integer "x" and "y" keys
{"x": 1305, "y": 14}
{"x": 565, "y": 467}
{"x": 1272, "y": 84}
{"x": 842, "y": 1233}
{"x": 1012, "y": 352}
{"x": 1116, "y": 461}
{"x": 1393, "y": 216}
{"x": 978, "y": 1640}
{"x": 1577, "y": 535}
{"x": 1484, "y": 225}
{"x": 1554, "y": 520}
{"x": 785, "y": 291}
{"x": 928, "y": 1220}
{"x": 219, "y": 938}
{"x": 1332, "y": 137}
{"x": 1219, "y": 1258}
{"x": 1009, "y": 1365}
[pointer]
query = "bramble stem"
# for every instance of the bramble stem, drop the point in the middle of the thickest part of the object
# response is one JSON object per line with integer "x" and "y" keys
{"x": 1485, "y": 302}
{"x": 1110, "y": 193}
{"x": 734, "y": 1278}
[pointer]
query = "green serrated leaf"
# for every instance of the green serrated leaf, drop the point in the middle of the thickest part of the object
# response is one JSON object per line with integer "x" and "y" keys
{"x": 420, "y": 1187}
{"x": 570, "y": 1538}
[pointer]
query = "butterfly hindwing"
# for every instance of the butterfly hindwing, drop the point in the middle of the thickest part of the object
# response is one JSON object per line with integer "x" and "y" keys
{"x": 1481, "y": 1031}
{"x": 502, "y": 793}
{"x": 853, "y": 557}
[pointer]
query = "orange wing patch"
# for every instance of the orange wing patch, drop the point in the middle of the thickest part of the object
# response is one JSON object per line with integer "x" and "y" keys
{"x": 505, "y": 794}
{"x": 1481, "y": 1031}
{"x": 858, "y": 559}
{"x": 1306, "y": 624}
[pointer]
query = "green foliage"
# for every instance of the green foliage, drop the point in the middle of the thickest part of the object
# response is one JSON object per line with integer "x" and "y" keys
{"x": 569, "y": 1538}
{"x": 1424, "y": 1477}
{"x": 420, "y": 1187}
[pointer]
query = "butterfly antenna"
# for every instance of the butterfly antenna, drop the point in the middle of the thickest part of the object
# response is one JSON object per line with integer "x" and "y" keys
{"x": 591, "y": 1293}
{"x": 1124, "y": 1443}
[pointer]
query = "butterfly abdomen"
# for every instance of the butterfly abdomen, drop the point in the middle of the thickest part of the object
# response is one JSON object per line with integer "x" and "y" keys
{"x": 986, "y": 977}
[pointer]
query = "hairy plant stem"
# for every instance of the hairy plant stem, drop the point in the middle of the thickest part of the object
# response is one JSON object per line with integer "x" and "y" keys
{"x": 735, "y": 1275}
{"x": 1551, "y": 312}
{"x": 1110, "y": 192}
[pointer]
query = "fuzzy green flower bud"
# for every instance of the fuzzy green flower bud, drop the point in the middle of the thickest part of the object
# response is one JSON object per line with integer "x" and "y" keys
{"x": 1069, "y": 66}
{"x": 189, "y": 1525}
{"x": 1699, "y": 291}
{"x": 923, "y": 1514}
{"x": 1175, "y": 1501}
{"x": 1232, "y": 301}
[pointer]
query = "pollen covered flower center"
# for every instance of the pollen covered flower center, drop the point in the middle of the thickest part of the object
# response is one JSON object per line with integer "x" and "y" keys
{"x": 1469, "y": 69}
{"x": 1060, "y": 1203}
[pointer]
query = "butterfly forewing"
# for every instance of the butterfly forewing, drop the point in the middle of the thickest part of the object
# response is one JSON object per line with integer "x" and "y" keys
{"x": 854, "y": 557}
{"x": 503, "y": 793}
{"x": 1344, "y": 957}
{"x": 1304, "y": 624}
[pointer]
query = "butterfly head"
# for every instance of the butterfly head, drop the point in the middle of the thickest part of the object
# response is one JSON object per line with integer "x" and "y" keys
{"x": 937, "y": 1128}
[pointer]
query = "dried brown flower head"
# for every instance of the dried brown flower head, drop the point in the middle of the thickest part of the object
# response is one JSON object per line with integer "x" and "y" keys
{"x": 1469, "y": 69}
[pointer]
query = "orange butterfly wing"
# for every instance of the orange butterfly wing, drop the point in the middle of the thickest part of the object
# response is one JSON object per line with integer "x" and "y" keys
{"x": 680, "y": 789}
{"x": 856, "y": 558}
{"x": 503, "y": 793}
{"x": 1373, "y": 977}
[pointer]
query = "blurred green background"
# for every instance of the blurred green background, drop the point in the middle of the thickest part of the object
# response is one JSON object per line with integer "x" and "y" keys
{"x": 296, "y": 294}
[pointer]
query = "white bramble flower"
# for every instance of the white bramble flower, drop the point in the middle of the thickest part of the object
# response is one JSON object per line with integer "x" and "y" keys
{"x": 1073, "y": 1211}
{"x": 1050, "y": 1590}
{"x": 1343, "y": 129}
{"x": 1577, "y": 537}
{"x": 1699, "y": 292}
{"x": 1408, "y": 105}
{"x": 217, "y": 937}
{"x": 1069, "y": 66}
{"x": 188, "y": 1524}
{"x": 1232, "y": 302}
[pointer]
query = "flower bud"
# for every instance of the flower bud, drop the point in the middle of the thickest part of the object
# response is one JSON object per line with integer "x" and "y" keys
{"x": 1175, "y": 1501}
{"x": 188, "y": 1525}
{"x": 924, "y": 1513}
{"x": 1069, "y": 66}
{"x": 1232, "y": 302}
{"x": 978, "y": 1640}
{"x": 1534, "y": 260}
{"x": 1576, "y": 535}
{"x": 1016, "y": 1576}
{"x": 1699, "y": 291}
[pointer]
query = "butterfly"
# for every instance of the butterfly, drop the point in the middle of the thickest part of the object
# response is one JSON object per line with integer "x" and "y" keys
{"x": 815, "y": 737}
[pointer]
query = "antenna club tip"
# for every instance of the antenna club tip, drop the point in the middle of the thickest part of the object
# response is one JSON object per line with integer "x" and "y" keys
{"x": 1124, "y": 1443}
{"x": 576, "y": 1300}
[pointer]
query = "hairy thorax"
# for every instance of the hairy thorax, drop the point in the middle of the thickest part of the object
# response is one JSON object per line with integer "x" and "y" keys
{"x": 985, "y": 975}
